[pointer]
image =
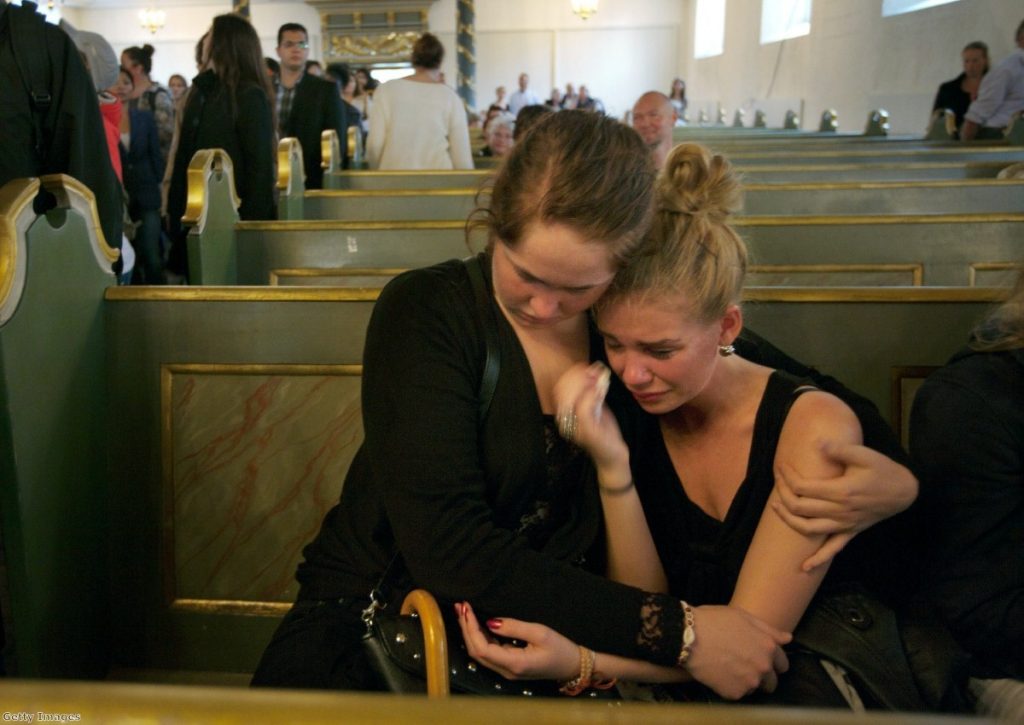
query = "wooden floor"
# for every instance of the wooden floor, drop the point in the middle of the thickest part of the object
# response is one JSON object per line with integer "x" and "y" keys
{"x": 172, "y": 704}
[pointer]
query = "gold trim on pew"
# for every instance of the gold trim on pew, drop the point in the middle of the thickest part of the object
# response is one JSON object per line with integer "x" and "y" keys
{"x": 167, "y": 559}
{"x": 482, "y": 173}
{"x": 881, "y": 166}
{"x": 203, "y": 164}
{"x": 916, "y": 269}
{"x": 15, "y": 197}
{"x": 232, "y": 607}
{"x": 864, "y": 219}
{"x": 883, "y": 185}
{"x": 241, "y": 294}
{"x": 976, "y": 267}
{"x": 277, "y": 274}
{"x": 289, "y": 156}
{"x": 880, "y": 150}
{"x": 360, "y": 193}
{"x": 435, "y": 645}
{"x": 311, "y": 225}
{"x": 62, "y": 186}
{"x": 330, "y": 150}
{"x": 875, "y": 294}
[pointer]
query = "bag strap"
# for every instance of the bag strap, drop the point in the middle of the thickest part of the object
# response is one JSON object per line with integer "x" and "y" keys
{"x": 29, "y": 46}
{"x": 485, "y": 309}
{"x": 488, "y": 384}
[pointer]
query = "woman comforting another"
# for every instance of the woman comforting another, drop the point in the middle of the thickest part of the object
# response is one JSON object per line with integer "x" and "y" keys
{"x": 690, "y": 504}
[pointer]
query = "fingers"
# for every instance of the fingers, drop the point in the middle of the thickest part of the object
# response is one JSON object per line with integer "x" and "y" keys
{"x": 795, "y": 487}
{"x": 850, "y": 454}
{"x": 832, "y": 546}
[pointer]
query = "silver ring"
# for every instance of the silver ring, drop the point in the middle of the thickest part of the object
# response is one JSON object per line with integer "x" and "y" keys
{"x": 567, "y": 424}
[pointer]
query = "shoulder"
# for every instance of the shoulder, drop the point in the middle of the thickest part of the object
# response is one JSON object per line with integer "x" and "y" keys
{"x": 816, "y": 416}
{"x": 438, "y": 287}
{"x": 975, "y": 380}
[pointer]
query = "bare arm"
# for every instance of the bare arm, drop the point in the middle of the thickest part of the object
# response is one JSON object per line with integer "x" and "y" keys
{"x": 632, "y": 556}
{"x": 772, "y": 584}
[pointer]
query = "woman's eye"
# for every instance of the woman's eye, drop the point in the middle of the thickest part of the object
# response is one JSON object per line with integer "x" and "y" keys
{"x": 660, "y": 354}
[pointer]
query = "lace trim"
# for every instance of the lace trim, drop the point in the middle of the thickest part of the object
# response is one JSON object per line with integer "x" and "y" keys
{"x": 661, "y": 627}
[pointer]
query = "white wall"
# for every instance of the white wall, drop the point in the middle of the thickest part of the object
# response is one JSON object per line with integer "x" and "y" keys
{"x": 854, "y": 60}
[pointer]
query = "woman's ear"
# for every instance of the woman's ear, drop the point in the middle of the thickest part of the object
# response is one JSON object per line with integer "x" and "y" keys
{"x": 731, "y": 324}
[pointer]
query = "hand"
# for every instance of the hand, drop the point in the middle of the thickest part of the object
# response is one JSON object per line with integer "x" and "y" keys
{"x": 736, "y": 653}
{"x": 547, "y": 654}
{"x": 580, "y": 392}
{"x": 872, "y": 487}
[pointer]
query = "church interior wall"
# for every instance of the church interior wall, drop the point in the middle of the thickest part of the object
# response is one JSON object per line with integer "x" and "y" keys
{"x": 853, "y": 60}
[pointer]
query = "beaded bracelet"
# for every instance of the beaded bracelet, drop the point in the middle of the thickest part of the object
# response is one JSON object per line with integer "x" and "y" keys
{"x": 689, "y": 635}
{"x": 578, "y": 684}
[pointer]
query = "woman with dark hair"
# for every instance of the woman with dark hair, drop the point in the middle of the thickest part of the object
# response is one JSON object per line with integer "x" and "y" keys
{"x": 150, "y": 95}
{"x": 958, "y": 93}
{"x": 341, "y": 74}
{"x": 143, "y": 171}
{"x": 463, "y": 485}
{"x": 230, "y": 107}
{"x": 418, "y": 122}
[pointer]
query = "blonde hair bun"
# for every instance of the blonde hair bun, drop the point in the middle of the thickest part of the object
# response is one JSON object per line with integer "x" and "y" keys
{"x": 696, "y": 182}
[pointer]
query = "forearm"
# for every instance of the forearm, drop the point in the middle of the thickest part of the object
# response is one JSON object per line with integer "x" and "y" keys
{"x": 608, "y": 666}
{"x": 632, "y": 556}
{"x": 968, "y": 131}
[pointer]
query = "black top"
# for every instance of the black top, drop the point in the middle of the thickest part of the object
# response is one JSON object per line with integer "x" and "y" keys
{"x": 967, "y": 438}
{"x": 953, "y": 97}
{"x": 241, "y": 126}
{"x": 73, "y": 139}
{"x": 317, "y": 107}
{"x": 474, "y": 508}
{"x": 142, "y": 163}
{"x": 702, "y": 556}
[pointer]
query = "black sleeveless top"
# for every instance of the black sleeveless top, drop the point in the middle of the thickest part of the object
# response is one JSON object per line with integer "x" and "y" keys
{"x": 702, "y": 556}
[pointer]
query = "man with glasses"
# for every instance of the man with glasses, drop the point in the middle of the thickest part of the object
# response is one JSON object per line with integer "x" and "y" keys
{"x": 306, "y": 105}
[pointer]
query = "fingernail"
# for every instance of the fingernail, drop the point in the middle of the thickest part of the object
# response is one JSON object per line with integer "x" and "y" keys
{"x": 493, "y": 624}
{"x": 458, "y": 609}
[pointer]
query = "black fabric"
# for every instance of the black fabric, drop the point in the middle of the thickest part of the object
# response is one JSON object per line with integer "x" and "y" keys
{"x": 142, "y": 163}
{"x": 452, "y": 496}
{"x": 73, "y": 139}
{"x": 953, "y": 97}
{"x": 243, "y": 127}
{"x": 316, "y": 107}
{"x": 967, "y": 438}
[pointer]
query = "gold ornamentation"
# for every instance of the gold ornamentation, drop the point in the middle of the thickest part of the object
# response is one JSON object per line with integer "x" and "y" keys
{"x": 204, "y": 164}
{"x": 289, "y": 156}
{"x": 378, "y": 47}
{"x": 15, "y": 199}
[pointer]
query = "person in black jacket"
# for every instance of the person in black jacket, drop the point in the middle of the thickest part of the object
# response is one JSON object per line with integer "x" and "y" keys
{"x": 306, "y": 105}
{"x": 229, "y": 107}
{"x": 958, "y": 93}
{"x": 63, "y": 132}
{"x": 967, "y": 439}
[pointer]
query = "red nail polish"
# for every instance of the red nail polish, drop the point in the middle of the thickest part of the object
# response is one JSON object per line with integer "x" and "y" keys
{"x": 493, "y": 624}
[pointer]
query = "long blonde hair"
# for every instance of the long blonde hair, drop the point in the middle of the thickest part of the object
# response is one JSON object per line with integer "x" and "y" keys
{"x": 692, "y": 249}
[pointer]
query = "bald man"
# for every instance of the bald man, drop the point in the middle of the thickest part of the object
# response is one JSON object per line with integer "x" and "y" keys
{"x": 654, "y": 117}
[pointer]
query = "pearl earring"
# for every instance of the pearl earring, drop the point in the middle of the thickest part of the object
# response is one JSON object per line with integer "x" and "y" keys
{"x": 726, "y": 350}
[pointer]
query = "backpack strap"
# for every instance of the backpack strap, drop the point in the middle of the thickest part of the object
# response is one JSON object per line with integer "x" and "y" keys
{"x": 492, "y": 364}
{"x": 29, "y": 45}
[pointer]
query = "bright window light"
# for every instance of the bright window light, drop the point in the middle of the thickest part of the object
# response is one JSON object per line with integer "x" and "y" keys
{"x": 782, "y": 19}
{"x": 709, "y": 28}
{"x": 898, "y": 7}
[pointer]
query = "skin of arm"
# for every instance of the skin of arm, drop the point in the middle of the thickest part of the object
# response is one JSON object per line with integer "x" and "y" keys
{"x": 772, "y": 584}
{"x": 872, "y": 488}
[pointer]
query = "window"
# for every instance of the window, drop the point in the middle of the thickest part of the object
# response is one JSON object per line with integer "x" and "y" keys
{"x": 709, "y": 28}
{"x": 898, "y": 7}
{"x": 781, "y": 19}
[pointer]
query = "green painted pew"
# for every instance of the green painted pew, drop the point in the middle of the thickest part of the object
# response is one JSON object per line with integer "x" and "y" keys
{"x": 56, "y": 430}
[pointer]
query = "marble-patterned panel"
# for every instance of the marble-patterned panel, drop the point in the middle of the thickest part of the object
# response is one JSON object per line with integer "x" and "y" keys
{"x": 256, "y": 457}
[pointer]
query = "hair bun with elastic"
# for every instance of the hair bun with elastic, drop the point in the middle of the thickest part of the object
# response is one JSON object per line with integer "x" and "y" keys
{"x": 699, "y": 184}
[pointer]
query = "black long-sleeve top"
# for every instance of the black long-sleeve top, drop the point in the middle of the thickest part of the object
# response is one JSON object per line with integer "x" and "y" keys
{"x": 451, "y": 492}
{"x": 967, "y": 439}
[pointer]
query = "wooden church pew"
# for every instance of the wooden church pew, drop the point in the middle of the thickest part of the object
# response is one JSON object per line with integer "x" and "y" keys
{"x": 56, "y": 429}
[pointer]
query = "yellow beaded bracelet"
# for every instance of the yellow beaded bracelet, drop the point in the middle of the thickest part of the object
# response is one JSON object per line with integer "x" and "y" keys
{"x": 689, "y": 635}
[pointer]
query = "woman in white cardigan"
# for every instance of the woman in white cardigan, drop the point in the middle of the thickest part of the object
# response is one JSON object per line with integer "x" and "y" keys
{"x": 418, "y": 122}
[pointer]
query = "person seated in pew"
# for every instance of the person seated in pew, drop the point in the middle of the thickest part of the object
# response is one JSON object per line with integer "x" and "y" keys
{"x": 462, "y": 473}
{"x": 654, "y": 117}
{"x": 958, "y": 93}
{"x": 418, "y": 122}
{"x": 690, "y": 504}
{"x": 967, "y": 441}
{"x": 499, "y": 136}
{"x": 1000, "y": 96}
{"x": 230, "y": 106}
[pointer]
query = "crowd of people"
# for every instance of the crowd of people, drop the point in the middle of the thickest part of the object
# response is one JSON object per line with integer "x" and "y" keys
{"x": 649, "y": 491}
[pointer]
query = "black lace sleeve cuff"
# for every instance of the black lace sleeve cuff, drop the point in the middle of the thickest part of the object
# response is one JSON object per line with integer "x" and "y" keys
{"x": 661, "y": 629}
